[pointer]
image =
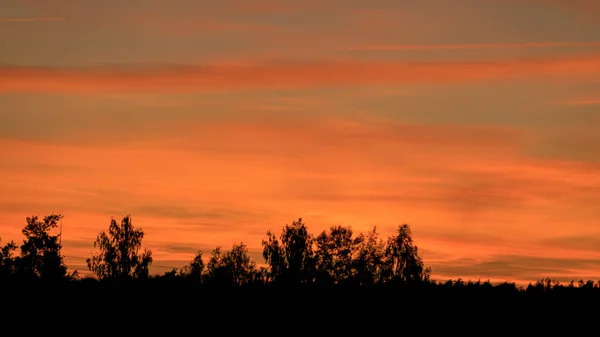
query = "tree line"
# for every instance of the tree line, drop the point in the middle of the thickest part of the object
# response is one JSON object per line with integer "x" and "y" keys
{"x": 336, "y": 257}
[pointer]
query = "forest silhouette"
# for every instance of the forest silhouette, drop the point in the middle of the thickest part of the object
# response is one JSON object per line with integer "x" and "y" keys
{"x": 335, "y": 283}
{"x": 296, "y": 262}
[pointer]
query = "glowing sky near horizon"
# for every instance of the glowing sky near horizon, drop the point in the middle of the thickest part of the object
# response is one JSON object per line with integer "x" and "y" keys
{"x": 211, "y": 122}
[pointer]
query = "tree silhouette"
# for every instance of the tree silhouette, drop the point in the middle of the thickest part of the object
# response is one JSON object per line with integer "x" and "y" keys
{"x": 238, "y": 261}
{"x": 336, "y": 259}
{"x": 334, "y": 254}
{"x": 215, "y": 269}
{"x": 40, "y": 251}
{"x": 234, "y": 267}
{"x": 274, "y": 255}
{"x": 369, "y": 261}
{"x": 119, "y": 254}
{"x": 7, "y": 260}
{"x": 261, "y": 276}
{"x": 291, "y": 258}
{"x": 194, "y": 269}
{"x": 403, "y": 262}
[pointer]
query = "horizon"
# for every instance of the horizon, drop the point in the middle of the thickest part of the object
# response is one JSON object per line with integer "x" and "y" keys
{"x": 255, "y": 253}
{"x": 473, "y": 122}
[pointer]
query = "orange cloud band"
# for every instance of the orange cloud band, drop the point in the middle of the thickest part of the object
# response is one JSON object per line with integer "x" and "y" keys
{"x": 484, "y": 199}
{"x": 585, "y": 102}
{"x": 32, "y": 19}
{"x": 475, "y": 46}
{"x": 283, "y": 75}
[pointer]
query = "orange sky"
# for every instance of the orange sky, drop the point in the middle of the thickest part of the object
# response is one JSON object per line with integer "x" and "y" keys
{"x": 473, "y": 121}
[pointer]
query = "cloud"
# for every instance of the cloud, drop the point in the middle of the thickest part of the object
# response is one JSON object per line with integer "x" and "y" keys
{"x": 185, "y": 248}
{"x": 164, "y": 257}
{"x": 170, "y": 211}
{"x": 510, "y": 267}
{"x": 428, "y": 254}
{"x": 585, "y": 9}
{"x": 519, "y": 267}
{"x": 116, "y": 203}
{"x": 479, "y": 162}
{"x": 591, "y": 101}
{"x": 590, "y": 243}
{"x": 158, "y": 25}
{"x": 283, "y": 75}
{"x": 8, "y": 20}
{"x": 353, "y": 133}
{"x": 466, "y": 190}
{"x": 78, "y": 243}
{"x": 239, "y": 17}
{"x": 473, "y": 46}
{"x": 586, "y": 6}
{"x": 280, "y": 7}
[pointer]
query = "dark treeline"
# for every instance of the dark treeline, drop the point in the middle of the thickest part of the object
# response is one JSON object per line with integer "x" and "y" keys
{"x": 335, "y": 259}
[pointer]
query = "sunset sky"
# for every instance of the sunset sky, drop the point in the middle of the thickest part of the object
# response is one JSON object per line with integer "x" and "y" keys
{"x": 210, "y": 122}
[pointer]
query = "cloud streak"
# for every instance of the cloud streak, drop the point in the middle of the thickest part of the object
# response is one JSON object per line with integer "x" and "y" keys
{"x": 474, "y": 46}
{"x": 587, "y": 6}
{"x": 522, "y": 268}
{"x": 40, "y": 19}
{"x": 283, "y": 75}
{"x": 483, "y": 187}
{"x": 591, "y": 101}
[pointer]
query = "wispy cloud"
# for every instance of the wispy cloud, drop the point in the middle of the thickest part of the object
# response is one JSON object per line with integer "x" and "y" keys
{"x": 283, "y": 75}
{"x": 521, "y": 268}
{"x": 474, "y": 46}
{"x": 589, "y": 242}
{"x": 160, "y": 25}
{"x": 582, "y": 5}
{"x": 38, "y": 19}
{"x": 363, "y": 165}
{"x": 281, "y": 7}
{"x": 592, "y": 101}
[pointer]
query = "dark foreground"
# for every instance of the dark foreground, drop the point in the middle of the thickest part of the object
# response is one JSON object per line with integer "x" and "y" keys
{"x": 334, "y": 300}
{"x": 155, "y": 309}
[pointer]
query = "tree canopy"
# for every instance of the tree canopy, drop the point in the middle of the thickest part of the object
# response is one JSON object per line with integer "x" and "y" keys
{"x": 119, "y": 255}
{"x": 336, "y": 257}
